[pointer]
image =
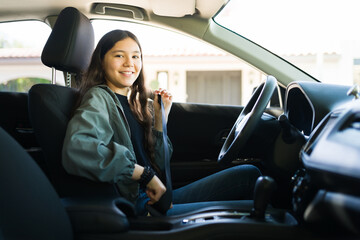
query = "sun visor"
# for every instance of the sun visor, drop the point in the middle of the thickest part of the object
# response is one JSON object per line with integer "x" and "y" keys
{"x": 173, "y": 8}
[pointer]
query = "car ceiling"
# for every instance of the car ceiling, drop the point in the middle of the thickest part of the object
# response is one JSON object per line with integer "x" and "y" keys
{"x": 41, "y": 9}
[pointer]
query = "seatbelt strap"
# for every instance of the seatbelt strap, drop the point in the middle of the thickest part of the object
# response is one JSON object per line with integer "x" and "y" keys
{"x": 160, "y": 208}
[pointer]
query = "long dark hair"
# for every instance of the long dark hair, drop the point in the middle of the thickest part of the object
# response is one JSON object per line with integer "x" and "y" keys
{"x": 138, "y": 96}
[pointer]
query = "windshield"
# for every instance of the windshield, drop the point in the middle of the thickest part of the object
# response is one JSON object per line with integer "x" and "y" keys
{"x": 321, "y": 37}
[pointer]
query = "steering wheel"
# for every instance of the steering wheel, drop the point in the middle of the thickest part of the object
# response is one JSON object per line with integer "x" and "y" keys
{"x": 247, "y": 121}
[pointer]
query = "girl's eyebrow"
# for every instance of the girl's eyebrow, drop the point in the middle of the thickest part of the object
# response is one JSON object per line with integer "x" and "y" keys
{"x": 126, "y": 51}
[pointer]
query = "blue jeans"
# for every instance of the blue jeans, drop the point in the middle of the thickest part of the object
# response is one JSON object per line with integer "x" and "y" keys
{"x": 236, "y": 183}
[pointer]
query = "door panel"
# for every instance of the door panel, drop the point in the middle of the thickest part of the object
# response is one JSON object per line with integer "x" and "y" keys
{"x": 197, "y": 132}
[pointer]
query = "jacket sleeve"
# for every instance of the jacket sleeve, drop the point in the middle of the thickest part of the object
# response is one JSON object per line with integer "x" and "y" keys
{"x": 89, "y": 149}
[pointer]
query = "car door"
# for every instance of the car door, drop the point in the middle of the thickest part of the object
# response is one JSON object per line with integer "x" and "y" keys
{"x": 197, "y": 132}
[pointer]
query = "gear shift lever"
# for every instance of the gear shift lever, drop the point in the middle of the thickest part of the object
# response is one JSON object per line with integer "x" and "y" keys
{"x": 264, "y": 187}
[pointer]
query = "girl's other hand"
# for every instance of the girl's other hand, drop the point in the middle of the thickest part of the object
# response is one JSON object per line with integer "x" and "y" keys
{"x": 155, "y": 189}
{"x": 166, "y": 98}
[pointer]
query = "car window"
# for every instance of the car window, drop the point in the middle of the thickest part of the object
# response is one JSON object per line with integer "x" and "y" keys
{"x": 20, "y": 52}
{"x": 320, "y": 37}
{"x": 192, "y": 70}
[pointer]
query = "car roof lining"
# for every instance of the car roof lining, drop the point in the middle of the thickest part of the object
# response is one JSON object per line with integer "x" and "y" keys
{"x": 41, "y": 9}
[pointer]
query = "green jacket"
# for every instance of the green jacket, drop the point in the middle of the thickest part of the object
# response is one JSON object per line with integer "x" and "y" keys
{"x": 98, "y": 146}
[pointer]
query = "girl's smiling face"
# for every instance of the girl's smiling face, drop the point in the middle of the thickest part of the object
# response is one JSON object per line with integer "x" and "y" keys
{"x": 122, "y": 65}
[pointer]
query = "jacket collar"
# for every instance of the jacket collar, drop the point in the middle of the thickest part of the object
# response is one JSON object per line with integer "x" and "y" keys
{"x": 117, "y": 103}
{"x": 112, "y": 94}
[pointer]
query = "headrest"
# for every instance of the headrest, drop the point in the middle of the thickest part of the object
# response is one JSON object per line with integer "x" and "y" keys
{"x": 71, "y": 42}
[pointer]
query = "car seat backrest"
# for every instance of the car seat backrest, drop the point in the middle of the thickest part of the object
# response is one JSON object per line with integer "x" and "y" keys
{"x": 29, "y": 206}
{"x": 68, "y": 48}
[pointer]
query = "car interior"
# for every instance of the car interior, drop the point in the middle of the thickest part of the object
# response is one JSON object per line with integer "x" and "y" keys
{"x": 308, "y": 154}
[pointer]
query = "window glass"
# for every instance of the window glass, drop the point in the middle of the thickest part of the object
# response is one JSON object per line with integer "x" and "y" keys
{"x": 320, "y": 37}
{"x": 21, "y": 44}
{"x": 193, "y": 71}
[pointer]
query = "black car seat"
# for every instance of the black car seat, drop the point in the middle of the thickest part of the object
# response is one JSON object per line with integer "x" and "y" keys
{"x": 29, "y": 206}
{"x": 31, "y": 209}
{"x": 69, "y": 49}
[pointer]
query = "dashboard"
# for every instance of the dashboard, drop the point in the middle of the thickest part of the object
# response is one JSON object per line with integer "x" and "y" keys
{"x": 307, "y": 103}
{"x": 327, "y": 187}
